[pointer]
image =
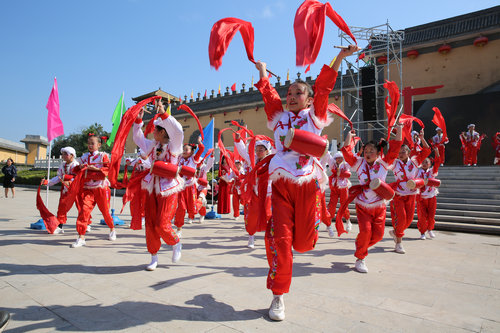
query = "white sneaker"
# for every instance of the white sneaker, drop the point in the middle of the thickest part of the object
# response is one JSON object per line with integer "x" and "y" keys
{"x": 153, "y": 264}
{"x": 422, "y": 236}
{"x": 190, "y": 221}
{"x": 360, "y": 266}
{"x": 79, "y": 242}
{"x": 399, "y": 248}
{"x": 331, "y": 233}
{"x": 348, "y": 226}
{"x": 431, "y": 234}
{"x": 143, "y": 221}
{"x": 475, "y": 164}
{"x": 251, "y": 242}
{"x": 202, "y": 218}
{"x": 179, "y": 233}
{"x": 176, "y": 255}
{"x": 277, "y": 308}
{"x": 112, "y": 235}
{"x": 89, "y": 228}
{"x": 393, "y": 235}
{"x": 58, "y": 231}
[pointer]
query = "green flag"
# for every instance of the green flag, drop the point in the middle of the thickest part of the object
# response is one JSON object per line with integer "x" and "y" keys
{"x": 117, "y": 116}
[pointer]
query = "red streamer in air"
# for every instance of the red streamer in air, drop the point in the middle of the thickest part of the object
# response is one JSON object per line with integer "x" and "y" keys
{"x": 332, "y": 108}
{"x": 188, "y": 110}
{"x": 438, "y": 119}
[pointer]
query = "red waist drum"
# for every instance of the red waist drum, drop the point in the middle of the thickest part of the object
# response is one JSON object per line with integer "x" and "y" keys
{"x": 382, "y": 189}
{"x": 433, "y": 182}
{"x": 94, "y": 175}
{"x": 203, "y": 182}
{"x": 164, "y": 169}
{"x": 415, "y": 183}
{"x": 306, "y": 143}
{"x": 187, "y": 171}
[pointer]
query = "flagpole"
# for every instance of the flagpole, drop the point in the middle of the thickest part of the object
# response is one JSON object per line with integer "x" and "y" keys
{"x": 48, "y": 176}
{"x": 213, "y": 145}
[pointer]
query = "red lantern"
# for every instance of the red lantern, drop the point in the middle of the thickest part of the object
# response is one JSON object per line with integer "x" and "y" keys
{"x": 444, "y": 49}
{"x": 336, "y": 97}
{"x": 481, "y": 41}
{"x": 382, "y": 60}
{"x": 412, "y": 54}
{"x": 225, "y": 113}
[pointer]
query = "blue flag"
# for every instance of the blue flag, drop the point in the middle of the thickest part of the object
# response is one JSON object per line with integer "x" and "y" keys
{"x": 208, "y": 134}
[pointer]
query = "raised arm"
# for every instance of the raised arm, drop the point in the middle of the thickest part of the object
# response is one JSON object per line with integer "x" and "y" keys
{"x": 138, "y": 136}
{"x": 201, "y": 149}
{"x": 272, "y": 101}
{"x": 349, "y": 156}
{"x": 394, "y": 146}
{"x": 422, "y": 155}
{"x": 241, "y": 148}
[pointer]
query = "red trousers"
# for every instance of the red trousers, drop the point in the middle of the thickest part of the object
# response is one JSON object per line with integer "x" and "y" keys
{"x": 186, "y": 201}
{"x": 224, "y": 198}
{"x": 336, "y": 194}
{"x": 402, "y": 212}
{"x": 441, "y": 153}
{"x": 426, "y": 211}
{"x": 296, "y": 215}
{"x": 253, "y": 223}
{"x": 61, "y": 216}
{"x": 200, "y": 207}
{"x": 371, "y": 222}
{"x": 326, "y": 218}
{"x": 137, "y": 205}
{"x": 159, "y": 213}
{"x": 236, "y": 202}
{"x": 471, "y": 154}
{"x": 89, "y": 198}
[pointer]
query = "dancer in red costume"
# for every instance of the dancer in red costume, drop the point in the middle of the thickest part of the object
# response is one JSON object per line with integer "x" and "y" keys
{"x": 95, "y": 189}
{"x": 202, "y": 189}
{"x": 236, "y": 200}
{"x": 339, "y": 186}
{"x": 224, "y": 196}
{"x": 472, "y": 141}
{"x": 426, "y": 200}
{"x": 416, "y": 148}
{"x": 187, "y": 197}
{"x": 370, "y": 206}
{"x": 496, "y": 147}
{"x": 65, "y": 175}
{"x": 161, "y": 196}
{"x": 138, "y": 202}
{"x": 254, "y": 222}
{"x": 297, "y": 180}
{"x": 405, "y": 168}
{"x": 439, "y": 142}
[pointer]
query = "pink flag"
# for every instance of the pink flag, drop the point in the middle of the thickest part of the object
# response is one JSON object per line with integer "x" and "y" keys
{"x": 54, "y": 123}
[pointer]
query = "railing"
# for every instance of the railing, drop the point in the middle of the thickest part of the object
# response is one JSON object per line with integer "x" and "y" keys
{"x": 56, "y": 162}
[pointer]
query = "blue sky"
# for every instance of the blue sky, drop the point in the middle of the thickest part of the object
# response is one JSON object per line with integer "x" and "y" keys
{"x": 99, "y": 48}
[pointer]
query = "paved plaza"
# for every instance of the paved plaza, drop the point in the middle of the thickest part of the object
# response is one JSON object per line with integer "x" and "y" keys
{"x": 448, "y": 284}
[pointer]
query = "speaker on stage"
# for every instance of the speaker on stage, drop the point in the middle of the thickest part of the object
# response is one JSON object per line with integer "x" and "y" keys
{"x": 368, "y": 93}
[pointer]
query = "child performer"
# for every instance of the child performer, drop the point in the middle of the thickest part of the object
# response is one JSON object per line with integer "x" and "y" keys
{"x": 403, "y": 204}
{"x": 187, "y": 197}
{"x": 437, "y": 141}
{"x": 472, "y": 145}
{"x": 426, "y": 201}
{"x": 95, "y": 189}
{"x": 161, "y": 197}
{"x": 296, "y": 178}
{"x": 339, "y": 186}
{"x": 236, "y": 188}
{"x": 417, "y": 148}
{"x": 203, "y": 189}
{"x": 252, "y": 208}
{"x": 65, "y": 175}
{"x": 137, "y": 204}
{"x": 224, "y": 196}
{"x": 370, "y": 207}
{"x": 496, "y": 147}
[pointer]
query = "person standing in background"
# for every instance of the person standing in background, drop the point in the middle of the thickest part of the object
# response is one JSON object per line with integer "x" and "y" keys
{"x": 10, "y": 173}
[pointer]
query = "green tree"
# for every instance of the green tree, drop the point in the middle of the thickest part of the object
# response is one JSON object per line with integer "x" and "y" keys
{"x": 79, "y": 141}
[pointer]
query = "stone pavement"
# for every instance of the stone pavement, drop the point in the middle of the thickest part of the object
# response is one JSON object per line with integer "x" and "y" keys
{"x": 448, "y": 284}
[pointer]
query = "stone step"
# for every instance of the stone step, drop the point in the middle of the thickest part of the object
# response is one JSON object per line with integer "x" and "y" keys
{"x": 470, "y": 182}
{"x": 469, "y": 207}
{"x": 467, "y": 201}
{"x": 469, "y": 195}
{"x": 465, "y": 186}
{"x": 468, "y": 212}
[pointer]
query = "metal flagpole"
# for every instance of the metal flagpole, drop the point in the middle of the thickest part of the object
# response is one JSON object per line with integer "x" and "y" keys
{"x": 213, "y": 145}
{"x": 48, "y": 176}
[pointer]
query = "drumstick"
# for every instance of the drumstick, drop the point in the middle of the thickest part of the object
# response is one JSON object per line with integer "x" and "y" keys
{"x": 341, "y": 47}
{"x": 267, "y": 70}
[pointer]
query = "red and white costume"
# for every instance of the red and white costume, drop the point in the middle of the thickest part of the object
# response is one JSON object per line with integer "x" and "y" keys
{"x": 236, "y": 200}
{"x": 472, "y": 146}
{"x": 201, "y": 201}
{"x": 417, "y": 148}
{"x": 255, "y": 220}
{"x": 297, "y": 181}
{"x": 225, "y": 185}
{"x": 339, "y": 185}
{"x": 370, "y": 207}
{"x": 426, "y": 201}
{"x": 161, "y": 193}
{"x": 95, "y": 191}
{"x": 138, "y": 202}
{"x": 437, "y": 141}
{"x": 403, "y": 204}
{"x": 65, "y": 173}
{"x": 187, "y": 197}
{"x": 496, "y": 147}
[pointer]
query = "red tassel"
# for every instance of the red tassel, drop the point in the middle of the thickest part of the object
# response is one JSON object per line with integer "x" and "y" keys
{"x": 391, "y": 109}
{"x": 309, "y": 27}
{"x": 151, "y": 125}
{"x": 333, "y": 108}
{"x": 221, "y": 35}
{"x": 226, "y": 153}
{"x": 51, "y": 222}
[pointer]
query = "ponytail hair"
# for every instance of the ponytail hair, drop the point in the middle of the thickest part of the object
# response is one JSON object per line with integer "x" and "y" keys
{"x": 379, "y": 146}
